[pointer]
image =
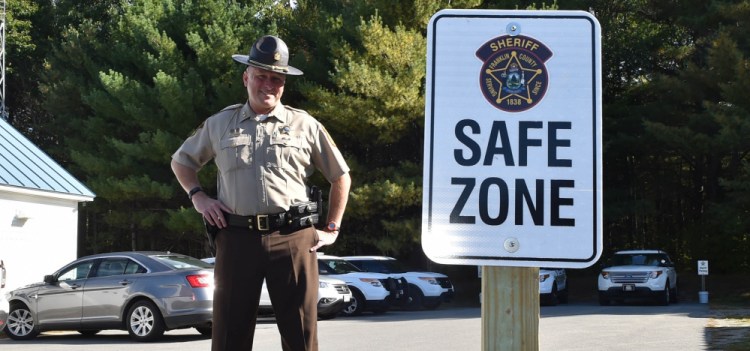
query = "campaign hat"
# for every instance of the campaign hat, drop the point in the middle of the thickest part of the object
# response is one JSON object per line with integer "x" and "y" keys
{"x": 269, "y": 53}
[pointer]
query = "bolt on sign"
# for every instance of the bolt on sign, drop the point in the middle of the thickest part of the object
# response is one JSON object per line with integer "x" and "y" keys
{"x": 513, "y": 146}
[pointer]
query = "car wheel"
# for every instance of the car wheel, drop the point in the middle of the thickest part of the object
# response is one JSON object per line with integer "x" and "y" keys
{"x": 356, "y": 305}
{"x": 416, "y": 297}
{"x": 663, "y": 298}
{"x": 144, "y": 321}
{"x": 673, "y": 294}
{"x": 20, "y": 324}
{"x": 88, "y": 332}
{"x": 205, "y": 331}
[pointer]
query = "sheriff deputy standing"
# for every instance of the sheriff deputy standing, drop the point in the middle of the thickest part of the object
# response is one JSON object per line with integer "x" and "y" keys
{"x": 263, "y": 215}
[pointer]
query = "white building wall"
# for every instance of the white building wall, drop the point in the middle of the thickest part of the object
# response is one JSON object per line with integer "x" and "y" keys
{"x": 38, "y": 235}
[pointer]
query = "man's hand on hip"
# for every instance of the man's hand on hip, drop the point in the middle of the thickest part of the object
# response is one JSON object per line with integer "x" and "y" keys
{"x": 325, "y": 238}
{"x": 211, "y": 209}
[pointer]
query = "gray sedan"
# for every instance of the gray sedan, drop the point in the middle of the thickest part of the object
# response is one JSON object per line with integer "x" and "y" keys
{"x": 145, "y": 293}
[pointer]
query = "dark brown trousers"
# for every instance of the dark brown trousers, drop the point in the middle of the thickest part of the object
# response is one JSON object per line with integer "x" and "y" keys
{"x": 243, "y": 259}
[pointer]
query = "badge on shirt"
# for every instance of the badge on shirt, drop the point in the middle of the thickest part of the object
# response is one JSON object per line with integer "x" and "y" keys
{"x": 235, "y": 132}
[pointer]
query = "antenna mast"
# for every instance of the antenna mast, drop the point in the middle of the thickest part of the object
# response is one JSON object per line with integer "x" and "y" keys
{"x": 3, "y": 109}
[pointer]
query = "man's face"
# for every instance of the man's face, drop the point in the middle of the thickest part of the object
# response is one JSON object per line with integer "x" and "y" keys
{"x": 264, "y": 88}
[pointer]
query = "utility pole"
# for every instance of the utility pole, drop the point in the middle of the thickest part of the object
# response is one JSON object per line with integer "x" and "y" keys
{"x": 3, "y": 108}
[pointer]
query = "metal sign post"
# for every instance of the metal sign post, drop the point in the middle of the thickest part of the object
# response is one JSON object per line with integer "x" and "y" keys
{"x": 513, "y": 155}
{"x": 703, "y": 272}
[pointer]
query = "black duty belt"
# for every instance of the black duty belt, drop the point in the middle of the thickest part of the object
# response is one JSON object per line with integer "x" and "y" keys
{"x": 297, "y": 217}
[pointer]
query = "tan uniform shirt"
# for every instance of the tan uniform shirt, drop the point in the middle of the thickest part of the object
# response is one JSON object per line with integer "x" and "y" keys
{"x": 263, "y": 160}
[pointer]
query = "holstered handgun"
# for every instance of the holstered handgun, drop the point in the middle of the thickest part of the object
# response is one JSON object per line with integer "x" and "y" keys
{"x": 211, "y": 231}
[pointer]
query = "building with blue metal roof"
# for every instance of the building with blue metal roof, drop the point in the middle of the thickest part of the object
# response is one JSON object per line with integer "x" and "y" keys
{"x": 26, "y": 167}
{"x": 39, "y": 210}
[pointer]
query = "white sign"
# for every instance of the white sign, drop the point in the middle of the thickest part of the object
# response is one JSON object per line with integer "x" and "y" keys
{"x": 702, "y": 267}
{"x": 513, "y": 149}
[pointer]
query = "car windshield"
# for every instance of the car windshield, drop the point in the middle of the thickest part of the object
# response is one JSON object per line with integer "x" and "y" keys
{"x": 181, "y": 262}
{"x": 638, "y": 260}
{"x": 335, "y": 266}
{"x": 380, "y": 266}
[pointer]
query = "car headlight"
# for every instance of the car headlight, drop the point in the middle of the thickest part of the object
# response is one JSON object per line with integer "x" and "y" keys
{"x": 543, "y": 277}
{"x": 323, "y": 285}
{"x": 372, "y": 281}
{"x": 605, "y": 275}
{"x": 655, "y": 274}
{"x": 430, "y": 280}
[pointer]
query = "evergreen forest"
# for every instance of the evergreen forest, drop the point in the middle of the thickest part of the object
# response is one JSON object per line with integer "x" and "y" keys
{"x": 111, "y": 88}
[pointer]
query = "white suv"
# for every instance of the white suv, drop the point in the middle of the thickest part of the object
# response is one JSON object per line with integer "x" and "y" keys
{"x": 553, "y": 286}
{"x": 426, "y": 289}
{"x": 638, "y": 274}
{"x": 370, "y": 291}
{"x": 333, "y": 296}
{"x": 3, "y": 300}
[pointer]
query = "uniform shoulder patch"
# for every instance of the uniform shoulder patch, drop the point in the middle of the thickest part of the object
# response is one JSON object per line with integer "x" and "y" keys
{"x": 328, "y": 136}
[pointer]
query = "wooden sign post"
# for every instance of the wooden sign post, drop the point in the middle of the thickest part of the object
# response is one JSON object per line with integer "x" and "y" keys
{"x": 510, "y": 308}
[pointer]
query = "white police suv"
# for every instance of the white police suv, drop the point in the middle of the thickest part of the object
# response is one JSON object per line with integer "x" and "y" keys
{"x": 553, "y": 286}
{"x": 373, "y": 292}
{"x": 333, "y": 296}
{"x": 425, "y": 289}
{"x": 638, "y": 274}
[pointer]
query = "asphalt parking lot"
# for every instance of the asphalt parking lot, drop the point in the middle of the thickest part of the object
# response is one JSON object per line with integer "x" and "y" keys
{"x": 575, "y": 326}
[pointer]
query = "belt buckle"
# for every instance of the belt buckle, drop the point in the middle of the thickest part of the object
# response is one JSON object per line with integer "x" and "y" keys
{"x": 261, "y": 219}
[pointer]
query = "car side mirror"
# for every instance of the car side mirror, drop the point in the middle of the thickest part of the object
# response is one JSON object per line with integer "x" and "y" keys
{"x": 49, "y": 279}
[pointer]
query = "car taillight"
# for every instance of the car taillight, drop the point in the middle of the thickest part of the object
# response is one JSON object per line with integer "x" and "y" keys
{"x": 200, "y": 280}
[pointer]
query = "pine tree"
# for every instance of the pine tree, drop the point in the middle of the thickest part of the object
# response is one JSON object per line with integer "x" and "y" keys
{"x": 125, "y": 90}
{"x": 686, "y": 121}
{"x": 23, "y": 60}
{"x": 366, "y": 84}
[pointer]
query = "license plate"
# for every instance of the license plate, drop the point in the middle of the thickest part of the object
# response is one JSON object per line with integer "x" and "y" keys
{"x": 628, "y": 287}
